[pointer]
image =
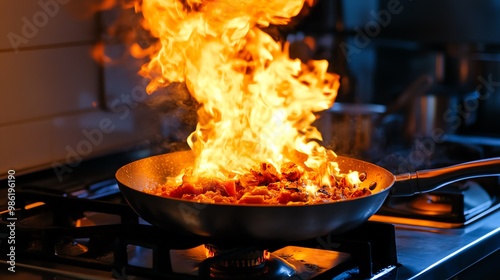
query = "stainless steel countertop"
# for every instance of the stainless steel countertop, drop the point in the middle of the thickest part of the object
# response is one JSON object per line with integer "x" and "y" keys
{"x": 427, "y": 253}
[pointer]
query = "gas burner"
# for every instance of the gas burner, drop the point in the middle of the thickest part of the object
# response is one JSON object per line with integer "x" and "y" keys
{"x": 70, "y": 248}
{"x": 452, "y": 206}
{"x": 130, "y": 247}
{"x": 289, "y": 262}
{"x": 237, "y": 258}
{"x": 243, "y": 263}
{"x": 442, "y": 203}
{"x": 431, "y": 204}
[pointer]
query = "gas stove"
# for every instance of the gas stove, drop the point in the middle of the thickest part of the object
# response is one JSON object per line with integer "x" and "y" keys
{"x": 82, "y": 228}
{"x": 452, "y": 206}
{"x": 94, "y": 230}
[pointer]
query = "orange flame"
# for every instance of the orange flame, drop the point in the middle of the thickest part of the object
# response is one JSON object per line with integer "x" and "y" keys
{"x": 257, "y": 104}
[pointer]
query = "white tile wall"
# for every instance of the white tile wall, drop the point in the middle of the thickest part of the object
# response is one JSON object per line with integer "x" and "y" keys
{"x": 122, "y": 76}
{"x": 25, "y": 145}
{"x": 97, "y": 132}
{"x": 50, "y": 87}
{"x": 47, "y": 82}
{"x": 31, "y": 23}
{"x": 65, "y": 139}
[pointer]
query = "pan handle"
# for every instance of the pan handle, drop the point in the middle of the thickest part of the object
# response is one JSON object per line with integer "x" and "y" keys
{"x": 423, "y": 181}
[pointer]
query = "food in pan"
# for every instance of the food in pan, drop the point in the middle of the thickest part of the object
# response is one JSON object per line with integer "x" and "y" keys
{"x": 292, "y": 185}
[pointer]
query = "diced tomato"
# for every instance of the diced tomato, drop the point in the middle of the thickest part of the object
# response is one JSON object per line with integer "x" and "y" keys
{"x": 177, "y": 192}
{"x": 188, "y": 188}
{"x": 284, "y": 197}
{"x": 274, "y": 186}
{"x": 230, "y": 187}
{"x": 298, "y": 196}
{"x": 248, "y": 180}
{"x": 252, "y": 199}
{"x": 290, "y": 171}
{"x": 260, "y": 191}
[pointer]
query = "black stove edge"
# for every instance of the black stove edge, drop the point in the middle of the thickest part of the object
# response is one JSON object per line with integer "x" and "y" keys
{"x": 478, "y": 250}
{"x": 473, "y": 256}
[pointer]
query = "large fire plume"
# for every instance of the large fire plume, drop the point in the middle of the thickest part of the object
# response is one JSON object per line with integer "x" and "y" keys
{"x": 256, "y": 104}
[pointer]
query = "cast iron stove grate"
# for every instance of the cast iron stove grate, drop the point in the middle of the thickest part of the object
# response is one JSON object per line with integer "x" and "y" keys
{"x": 50, "y": 233}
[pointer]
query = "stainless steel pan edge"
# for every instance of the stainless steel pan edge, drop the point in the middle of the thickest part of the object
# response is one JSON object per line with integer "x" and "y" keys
{"x": 276, "y": 222}
{"x": 250, "y": 222}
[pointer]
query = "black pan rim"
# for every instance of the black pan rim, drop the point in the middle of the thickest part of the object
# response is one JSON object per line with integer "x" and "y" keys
{"x": 205, "y": 204}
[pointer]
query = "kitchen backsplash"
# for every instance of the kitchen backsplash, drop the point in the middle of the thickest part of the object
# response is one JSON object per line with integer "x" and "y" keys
{"x": 58, "y": 105}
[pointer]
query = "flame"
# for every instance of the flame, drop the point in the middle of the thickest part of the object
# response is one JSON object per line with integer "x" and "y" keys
{"x": 353, "y": 178}
{"x": 257, "y": 104}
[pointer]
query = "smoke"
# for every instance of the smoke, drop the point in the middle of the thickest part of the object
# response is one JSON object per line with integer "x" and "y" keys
{"x": 177, "y": 110}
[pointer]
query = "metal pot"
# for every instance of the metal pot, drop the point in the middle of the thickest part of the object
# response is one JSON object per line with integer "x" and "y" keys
{"x": 440, "y": 109}
{"x": 363, "y": 130}
{"x": 353, "y": 129}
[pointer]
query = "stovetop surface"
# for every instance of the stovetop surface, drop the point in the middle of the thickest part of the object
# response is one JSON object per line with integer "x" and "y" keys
{"x": 426, "y": 253}
{"x": 422, "y": 252}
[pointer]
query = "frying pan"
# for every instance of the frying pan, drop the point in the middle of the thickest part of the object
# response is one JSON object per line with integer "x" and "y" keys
{"x": 230, "y": 222}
